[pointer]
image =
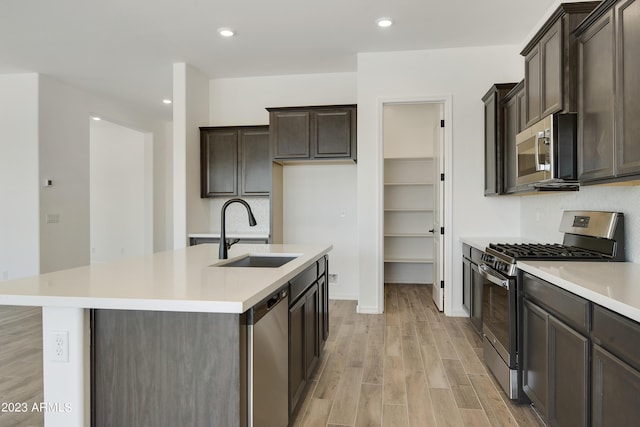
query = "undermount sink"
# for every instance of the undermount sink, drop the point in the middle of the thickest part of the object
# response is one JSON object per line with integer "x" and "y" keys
{"x": 263, "y": 261}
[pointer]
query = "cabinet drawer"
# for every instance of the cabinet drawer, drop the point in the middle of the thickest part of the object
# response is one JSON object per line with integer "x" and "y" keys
{"x": 322, "y": 266}
{"x": 301, "y": 282}
{"x": 616, "y": 333}
{"x": 564, "y": 305}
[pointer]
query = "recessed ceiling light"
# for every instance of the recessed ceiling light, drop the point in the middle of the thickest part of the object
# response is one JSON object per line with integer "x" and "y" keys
{"x": 384, "y": 22}
{"x": 226, "y": 32}
{"x": 166, "y": 101}
{"x": 96, "y": 118}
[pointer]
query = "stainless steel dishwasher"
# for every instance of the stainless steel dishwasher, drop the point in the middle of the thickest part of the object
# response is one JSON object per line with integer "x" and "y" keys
{"x": 268, "y": 362}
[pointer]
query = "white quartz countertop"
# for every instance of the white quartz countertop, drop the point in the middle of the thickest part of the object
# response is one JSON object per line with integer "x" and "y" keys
{"x": 614, "y": 285}
{"x": 216, "y": 235}
{"x": 180, "y": 280}
{"x": 481, "y": 243}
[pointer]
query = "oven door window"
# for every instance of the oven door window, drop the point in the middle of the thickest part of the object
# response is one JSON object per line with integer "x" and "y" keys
{"x": 495, "y": 312}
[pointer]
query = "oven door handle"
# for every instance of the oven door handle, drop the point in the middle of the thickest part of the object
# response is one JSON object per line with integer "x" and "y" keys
{"x": 493, "y": 277}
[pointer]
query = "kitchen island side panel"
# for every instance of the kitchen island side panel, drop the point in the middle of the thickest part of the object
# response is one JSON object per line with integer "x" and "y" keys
{"x": 168, "y": 369}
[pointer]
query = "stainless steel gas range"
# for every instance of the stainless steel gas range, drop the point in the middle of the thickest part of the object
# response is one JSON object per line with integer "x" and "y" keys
{"x": 588, "y": 236}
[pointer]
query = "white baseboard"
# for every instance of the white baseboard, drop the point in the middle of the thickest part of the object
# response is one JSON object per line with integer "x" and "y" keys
{"x": 368, "y": 310}
{"x": 336, "y": 295}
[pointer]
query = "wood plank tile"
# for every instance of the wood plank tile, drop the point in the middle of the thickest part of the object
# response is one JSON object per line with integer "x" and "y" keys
{"x": 474, "y": 418}
{"x": 419, "y": 406}
{"x": 330, "y": 378}
{"x": 433, "y": 367}
{"x": 443, "y": 344}
{"x": 394, "y": 388}
{"x": 393, "y": 343}
{"x": 463, "y": 393}
{"x": 492, "y": 404}
{"x": 446, "y": 411}
{"x": 347, "y": 396}
{"x": 317, "y": 413}
{"x": 411, "y": 357}
{"x": 468, "y": 357}
{"x": 374, "y": 362}
{"x": 370, "y": 406}
{"x": 394, "y": 416}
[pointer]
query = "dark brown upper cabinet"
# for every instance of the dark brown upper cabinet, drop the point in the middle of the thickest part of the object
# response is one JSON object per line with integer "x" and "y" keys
{"x": 608, "y": 105}
{"x": 550, "y": 63}
{"x": 313, "y": 133}
{"x": 494, "y": 138}
{"x": 513, "y": 106}
{"x": 235, "y": 161}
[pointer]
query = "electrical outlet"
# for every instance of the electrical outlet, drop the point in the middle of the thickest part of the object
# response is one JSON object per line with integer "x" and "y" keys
{"x": 53, "y": 218}
{"x": 60, "y": 346}
{"x": 333, "y": 278}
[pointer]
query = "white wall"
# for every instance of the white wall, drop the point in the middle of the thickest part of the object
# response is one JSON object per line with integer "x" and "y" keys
{"x": 540, "y": 214}
{"x": 320, "y": 208}
{"x": 465, "y": 74}
{"x": 190, "y": 111}
{"x": 50, "y": 121}
{"x": 118, "y": 180}
{"x": 242, "y": 101}
{"x": 19, "y": 203}
{"x": 408, "y": 129}
{"x": 64, "y": 157}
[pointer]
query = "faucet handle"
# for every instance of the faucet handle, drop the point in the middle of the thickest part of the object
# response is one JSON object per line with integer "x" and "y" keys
{"x": 231, "y": 242}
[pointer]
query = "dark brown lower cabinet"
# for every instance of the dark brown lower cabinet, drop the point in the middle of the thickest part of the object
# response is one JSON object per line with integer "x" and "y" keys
{"x": 312, "y": 329}
{"x": 568, "y": 375}
{"x": 555, "y": 368}
{"x": 297, "y": 365}
{"x": 615, "y": 396}
{"x": 304, "y": 343}
{"x": 535, "y": 360}
{"x": 616, "y": 391}
{"x": 323, "y": 291}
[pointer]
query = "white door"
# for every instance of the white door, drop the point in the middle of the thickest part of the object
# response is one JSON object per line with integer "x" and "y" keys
{"x": 438, "y": 213}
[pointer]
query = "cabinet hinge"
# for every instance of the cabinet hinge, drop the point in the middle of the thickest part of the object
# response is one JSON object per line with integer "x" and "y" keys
{"x": 441, "y": 177}
{"x": 441, "y": 284}
{"x": 441, "y": 123}
{"x": 442, "y": 230}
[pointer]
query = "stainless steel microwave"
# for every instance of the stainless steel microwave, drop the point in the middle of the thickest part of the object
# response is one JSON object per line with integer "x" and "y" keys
{"x": 546, "y": 153}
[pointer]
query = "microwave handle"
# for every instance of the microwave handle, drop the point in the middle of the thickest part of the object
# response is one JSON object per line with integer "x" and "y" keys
{"x": 540, "y": 136}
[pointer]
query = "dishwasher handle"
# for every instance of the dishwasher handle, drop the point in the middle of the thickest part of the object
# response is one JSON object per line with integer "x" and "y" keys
{"x": 266, "y": 305}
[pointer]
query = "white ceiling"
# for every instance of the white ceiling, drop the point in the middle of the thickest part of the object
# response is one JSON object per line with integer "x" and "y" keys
{"x": 126, "y": 48}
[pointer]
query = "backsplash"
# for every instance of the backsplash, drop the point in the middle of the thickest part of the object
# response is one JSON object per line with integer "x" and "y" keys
{"x": 236, "y": 216}
{"x": 540, "y": 214}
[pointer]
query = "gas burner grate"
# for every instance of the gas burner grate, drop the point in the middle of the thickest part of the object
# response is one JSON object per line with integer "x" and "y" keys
{"x": 544, "y": 251}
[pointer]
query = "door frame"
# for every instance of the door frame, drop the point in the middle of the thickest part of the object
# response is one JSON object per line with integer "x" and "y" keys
{"x": 446, "y": 149}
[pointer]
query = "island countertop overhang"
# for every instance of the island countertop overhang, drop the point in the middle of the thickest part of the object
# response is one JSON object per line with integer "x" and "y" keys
{"x": 180, "y": 280}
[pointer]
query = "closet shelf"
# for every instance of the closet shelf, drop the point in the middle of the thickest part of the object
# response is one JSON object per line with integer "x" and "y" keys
{"x": 408, "y": 235}
{"x": 410, "y": 260}
{"x": 408, "y": 210}
{"x": 415, "y": 184}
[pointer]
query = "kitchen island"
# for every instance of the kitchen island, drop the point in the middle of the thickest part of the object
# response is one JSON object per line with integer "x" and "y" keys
{"x": 187, "y": 282}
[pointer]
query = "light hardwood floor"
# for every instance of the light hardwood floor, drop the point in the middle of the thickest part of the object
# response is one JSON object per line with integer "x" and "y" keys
{"x": 411, "y": 366}
{"x": 20, "y": 366}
